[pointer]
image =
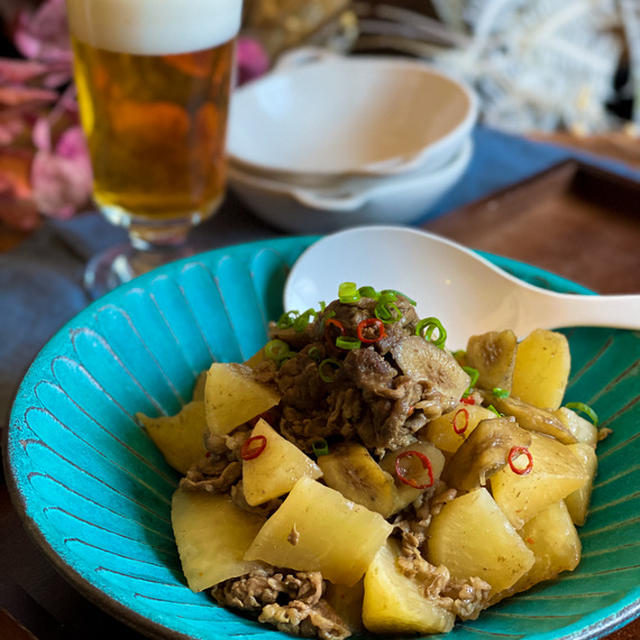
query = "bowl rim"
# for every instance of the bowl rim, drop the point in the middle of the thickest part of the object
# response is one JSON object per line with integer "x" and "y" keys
{"x": 283, "y": 171}
{"x": 614, "y": 616}
{"x": 363, "y": 194}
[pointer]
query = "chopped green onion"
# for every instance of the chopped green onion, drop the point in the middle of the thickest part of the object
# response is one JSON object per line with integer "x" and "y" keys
{"x": 492, "y": 408}
{"x": 287, "y": 319}
{"x": 277, "y": 350}
{"x": 426, "y": 327}
{"x": 301, "y": 322}
{"x": 368, "y": 292}
{"x": 387, "y": 311}
{"x": 325, "y": 376}
{"x": 499, "y": 392}
{"x": 348, "y": 292}
{"x": 329, "y": 314}
{"x": 387, "y": 296}
{"x": 314, "y": 353}
{"x": 320, "y": 447}
{"x": 584, "y": 408}
{"x": 348, "y": 343}
{"x": 474, "y": 374}
{"x": 399, "y": 293}
{"x": 322, "y": 304}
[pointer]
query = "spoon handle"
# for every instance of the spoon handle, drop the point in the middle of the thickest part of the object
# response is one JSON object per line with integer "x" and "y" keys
{"x": 569, "y": 310}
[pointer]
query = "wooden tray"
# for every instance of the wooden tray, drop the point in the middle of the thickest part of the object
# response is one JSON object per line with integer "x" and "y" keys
{"x": 573, "y": 219}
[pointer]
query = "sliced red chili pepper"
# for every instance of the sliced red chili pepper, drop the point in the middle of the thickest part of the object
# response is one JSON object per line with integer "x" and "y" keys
{"x": 371, "y": 322}
{"x": 468, "y": 400}
{"x": 460, "y": 429}
{"x": 336, "y": 323}
{"x": 330, "y": 334}
{"x": 426, "y": 464}
{"x": 516, "y": 452}
{"x": 253, "y": 447}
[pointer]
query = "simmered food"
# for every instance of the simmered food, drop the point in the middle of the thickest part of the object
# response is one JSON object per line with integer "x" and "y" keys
{"x": 212, "y": 534}
{"x": 301, "y": 534}
{"x": 271, "y": 465}
{"x": 471, "y": 536}
{"x": 355, "y": 474}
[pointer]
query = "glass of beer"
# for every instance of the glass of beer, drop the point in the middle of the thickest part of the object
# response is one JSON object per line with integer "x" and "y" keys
{"x": 153, "y": 79}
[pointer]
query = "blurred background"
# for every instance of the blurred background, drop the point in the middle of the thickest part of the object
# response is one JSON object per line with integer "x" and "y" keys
{"x": 567, "y": 72}
{"x": 563, "y": 72}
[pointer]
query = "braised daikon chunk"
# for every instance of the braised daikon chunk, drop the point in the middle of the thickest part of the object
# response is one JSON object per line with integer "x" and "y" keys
{"x": 279, "y": 465}
{"x": 317, "y": 529}
{"x": 472, "y": 537}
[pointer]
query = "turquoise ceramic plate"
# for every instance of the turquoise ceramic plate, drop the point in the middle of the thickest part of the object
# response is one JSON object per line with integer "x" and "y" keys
{"x": 95, "y": 492}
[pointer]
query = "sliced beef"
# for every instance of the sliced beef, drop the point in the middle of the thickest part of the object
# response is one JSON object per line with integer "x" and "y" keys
{"x": 385, "y": 424}
{"x": 442, "y": 378}
{"x": 464, "y": 598}
{"x": 394, "y": 333}
{"x": 346, "y": 408}
{"x": 295, "y": 339}
{"x": 311, "y": 621}
{"x": 409, "y": 393}
{"x": 371, "y": 373}
{"x": 413, "y": 522}
{"x": 220, "y": 467}
{"x": 383, "y": 392}
{"x": 291, "y": 601}
{"x": 349, "y": 315}
{"x": 304, "y": 427}
{"x": 352, "y": 314}
{"x": 300, "y": 383}
{"x": 266, "y": 584}
{"x": 216, "y": 477}
{"x": 265, "y": 372}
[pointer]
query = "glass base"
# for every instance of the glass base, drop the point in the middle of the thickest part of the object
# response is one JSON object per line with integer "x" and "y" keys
{"x": 152, "y": 242}
{"x": 117, "y": 265}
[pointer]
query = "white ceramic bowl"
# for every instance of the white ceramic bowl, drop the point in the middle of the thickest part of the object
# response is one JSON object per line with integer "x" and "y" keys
{"x": 314, "y": 122}
{"x": 392, "y": 200}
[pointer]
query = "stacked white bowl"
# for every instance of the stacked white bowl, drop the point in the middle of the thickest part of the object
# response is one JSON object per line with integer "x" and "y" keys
{"x": 325, "y": 142}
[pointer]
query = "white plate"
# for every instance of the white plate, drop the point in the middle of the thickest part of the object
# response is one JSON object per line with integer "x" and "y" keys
{"x": 348, "y": 116}
{"x": 394, "y": 200}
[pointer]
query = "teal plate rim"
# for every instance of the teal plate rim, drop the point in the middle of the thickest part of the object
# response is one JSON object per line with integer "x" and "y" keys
{"x": 590, "y": 627}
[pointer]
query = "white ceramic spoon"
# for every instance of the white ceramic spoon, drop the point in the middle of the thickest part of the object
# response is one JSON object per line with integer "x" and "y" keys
{"x": 466, "y": 292}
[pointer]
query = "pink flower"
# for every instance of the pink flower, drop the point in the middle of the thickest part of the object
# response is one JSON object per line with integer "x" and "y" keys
{"x": 44, "y": 34}
{"x": 13, "y": 71}
{"x": 61, "y": 177}
{"x": 15, "y": 95}
{"x": 46, "y": 169}
{"x": 252, "y": 59}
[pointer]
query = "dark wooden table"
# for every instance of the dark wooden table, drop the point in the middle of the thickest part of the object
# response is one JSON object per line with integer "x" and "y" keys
{"x": 582, "y": 225}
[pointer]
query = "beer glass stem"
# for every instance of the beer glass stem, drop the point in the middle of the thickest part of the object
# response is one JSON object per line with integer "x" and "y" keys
{"x": 148, "y": 249}
{"x": 159, "y": 237}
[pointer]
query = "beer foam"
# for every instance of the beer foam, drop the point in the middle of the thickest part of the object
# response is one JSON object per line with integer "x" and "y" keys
{"x": 154, "y": 27}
